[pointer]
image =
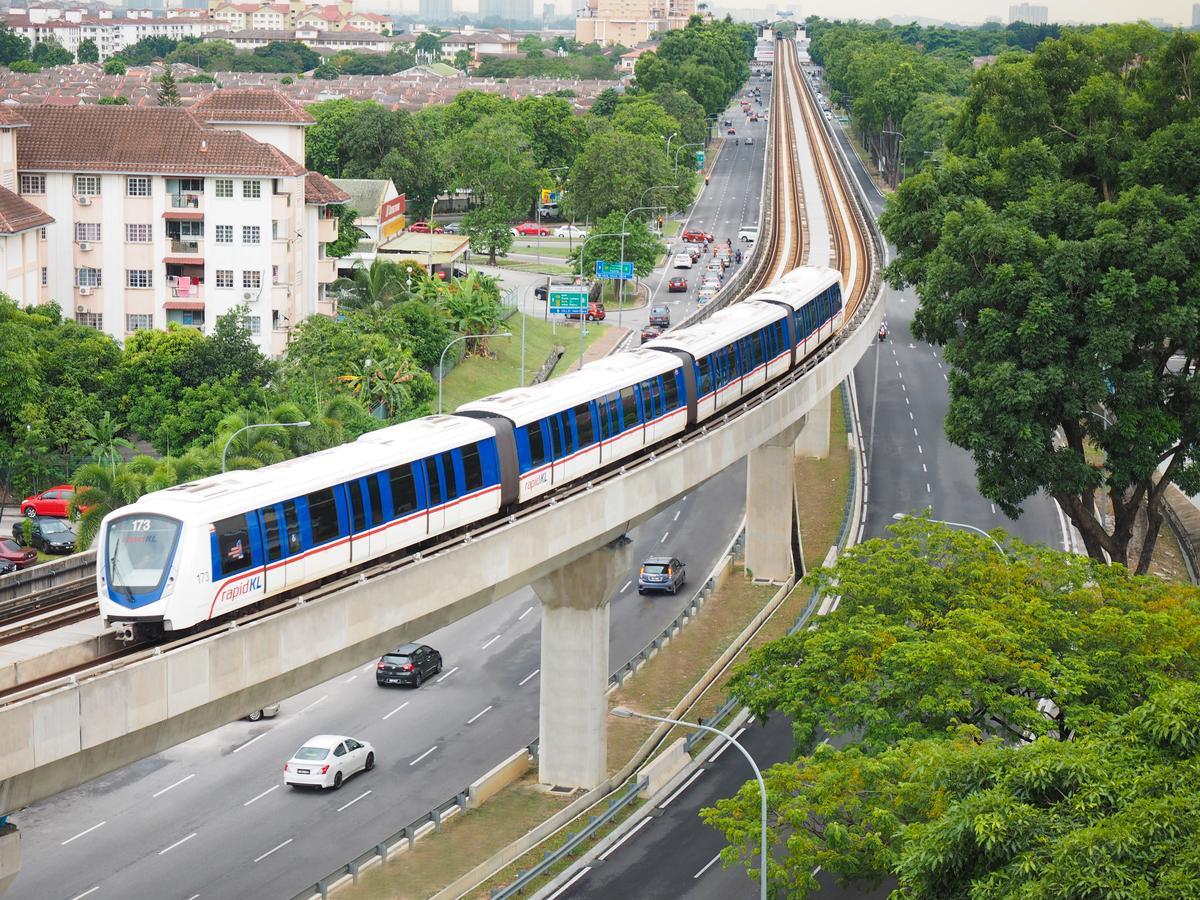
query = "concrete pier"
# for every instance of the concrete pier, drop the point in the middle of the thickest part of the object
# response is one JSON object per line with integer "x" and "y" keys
{"x": 573, "y": 744}
{"x": 770, "y": 505}
{"x": 10, "y": 855}
{"x": 813, "y": 440}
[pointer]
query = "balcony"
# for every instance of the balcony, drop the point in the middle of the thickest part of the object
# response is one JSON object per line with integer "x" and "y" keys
{"x": 188, "y": 295}
{"x": 327, "y": 230}
{"x": 326, "y": 270}
{"x": 185, "y": 200}
{"x": 185, "y": 247}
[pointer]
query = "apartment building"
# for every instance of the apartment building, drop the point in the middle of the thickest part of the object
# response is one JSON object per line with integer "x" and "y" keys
{"x": 297, "y": 15}
{"x": 69, "y": 27}
{"x": 165, "y": 215}
{"x": 22, "y": 251}
{"x": 629, "y": 22}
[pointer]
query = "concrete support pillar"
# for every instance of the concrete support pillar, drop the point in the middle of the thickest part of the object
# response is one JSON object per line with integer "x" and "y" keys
{"x": 813, "y": 440}
{"x": 770, "y": 487}
{"x": 573, "y": 727}
{"x": 10, "y": 855}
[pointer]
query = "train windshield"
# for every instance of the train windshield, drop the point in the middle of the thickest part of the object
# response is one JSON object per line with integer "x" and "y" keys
{"x": 139, "y": 551}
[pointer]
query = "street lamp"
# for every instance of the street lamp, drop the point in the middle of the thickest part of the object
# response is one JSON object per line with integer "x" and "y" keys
{"x": 622, "y": 712}
{"x": 674, "y": 134}
{"x": 442, "y": 358}
{"x": 225, "y": 449}
{"x": 622, "y": 234}
{"x": 624, "y": 222}
{"x": 683, "y": 147}
{"x": 901, "y": 516}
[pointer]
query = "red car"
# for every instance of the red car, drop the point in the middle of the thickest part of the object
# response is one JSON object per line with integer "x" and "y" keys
{"x": 21, "y": 557}
{"x": 697, "y": 237}
{"x": 531, "y": 229}
{"x": 677, "y": 285}
{"x": 50, "y": 502}
{"x": 650, "y": 332}
{"x": 595, "y": 312}
{"x": 423, "y": 228}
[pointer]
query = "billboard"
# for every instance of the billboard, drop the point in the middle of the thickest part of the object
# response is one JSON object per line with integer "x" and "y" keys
{"x": 568, "y": 300}
{"x": 391, "y": 218}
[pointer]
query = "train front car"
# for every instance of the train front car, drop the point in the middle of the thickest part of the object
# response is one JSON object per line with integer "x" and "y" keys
{"x": 139, "y": 558}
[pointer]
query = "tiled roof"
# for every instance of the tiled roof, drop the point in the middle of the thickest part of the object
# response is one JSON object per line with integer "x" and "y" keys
{"x": 10, "y": 118}
{"x": 320, "y": 191}
{"x": 365, "y": 194}
{"x": 140, "y": 139}
{"x": 250, "y": 105}
{"x": 18, "y": 214}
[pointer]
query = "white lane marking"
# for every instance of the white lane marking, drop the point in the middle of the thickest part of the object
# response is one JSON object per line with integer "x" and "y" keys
{"x": 368, "y": 667}
{"x": 725, "y": 745}
{"x": 687, "y": 784}
{"x": 85, "y": 893}
{"x": 907, "y": 402}
{"x": 630, "y": 833}
{"x": 479, "y": 715}
{"x": 915, "y": 432}
{"x": 919, "y": 450}
{"x": 273, "y": 849}
{"x": 448, "y": 674}
{"x": 251, "y": 741}
{"x": 911, "y": 418}
{"x": 352, "y": 802}
{"x": 524, "y": 614}
{"x": 944, "y": 378}
{"x": 626, "y": 587}
{"x": 350, "y": 679}
{"x": 423, "y": 755}
{"x": 939, "y": 365}
{"x": 567, "y": 886}
{"x": 993, "y": 506}
{"x": 925, "y": 469}
{"x": 490, "y": 642}
{"x": 677, "y": 512}
{"x": 708, "y": 865}
{"x": 904, "y": 388}
{"x": 396, "y": 710}
{"x": 521, "y": 683}
{"x": 663, "y": 540}
{"x": 176, "y": 844}
{"x": 82, "y": 833}
{"x": 175, "y": 785}
{"x": 314, "y": 703}
{"x": 927, "y": 489}
{"x": 194, "y": 897}
{"x": 273, "y": 787}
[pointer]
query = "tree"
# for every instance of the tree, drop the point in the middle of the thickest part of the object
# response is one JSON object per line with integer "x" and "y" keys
{"x": 374, "y": 287}
{"x": 114, "y": 65}
{"x": 605, "y": 103}
{"x": 25, "y": 66}
{"x": 642, "y": 248}
{"x": 495, "y": 160}
{"x": 104, "y": 437}
{"x": 51, "y": 53}
{"x": 88, "y": 52}
{"x": 326, "y": 72}
{"x": 472, "y": 305}
{"x": 114, "y": 100}
{"x": 324, "y": 150}
{"x": 101, "y": 489}
{"x": 428, "y": 42}
{"x": 349, "y": 234}
{"x": 464, "y": 59}
{"x": 168, "y": 92}
{"x": 645, "y": 117}
{"x": 13, "y": 47}
{"x": 614, "y": 170}
{"x": 489, "y": 229}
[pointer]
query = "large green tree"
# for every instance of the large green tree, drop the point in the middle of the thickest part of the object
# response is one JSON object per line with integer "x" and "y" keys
{"x": 88, "y": 52}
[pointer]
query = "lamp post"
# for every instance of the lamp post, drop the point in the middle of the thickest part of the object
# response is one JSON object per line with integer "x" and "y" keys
{"x": 622, "y": 234}
{"x": 674, "y": 134}
{"x": 623, "y": 713}
{"x": 624, "y": 222}
{"x": 225, "y": 449}
{"x": 1000, "y": 549}
{"x": 677, "y": 149}
{"x": 442, "y": 358}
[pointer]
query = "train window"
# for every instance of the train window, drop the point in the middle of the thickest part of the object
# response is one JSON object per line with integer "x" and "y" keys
{"x": 559, "y": 436}
{"x": 472, "y": 468}
{"x": 671, "y": 391}
{"x": 837, "y": 297}
{"x": 358, "y": 520}
{"x": 454, "y": 486}
{"x": 322, "y": 516}
{"x": 583, "y": 425}
{"x": 437, "y": 493}
{"x": 404, "y": 491}
{"x": 233, "y": 544}
{"x": 756, "y": 347}
{"x": 291, "y": 523}
{"x": 629, "y": 413}
{"x": 537, "y": 444}
{"x": 271, "y": 530}
{"x": 703, "y": 376}
{"x": 376, "y": 515}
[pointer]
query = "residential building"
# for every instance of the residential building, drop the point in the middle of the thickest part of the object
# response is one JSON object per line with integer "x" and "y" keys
{"x": 1196, "y": 15}
{"x": 380, "y": 215}
{"x": 478, "y": 43}
{"x": 629, "y": 22}
{"x": 1029, "y": 13}
{"x": 434, "y": 11}
{"x": 22, "y": 249}
{"x": 263, "y": 16}
{"x": 347, "y": 39}
{"x": 506, "y": 10}
{"x": 169, "y": 215}
{"x": 69, "y": 27}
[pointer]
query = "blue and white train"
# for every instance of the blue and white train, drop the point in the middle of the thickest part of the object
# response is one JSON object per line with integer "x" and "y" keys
{"x": 183, "y": 556}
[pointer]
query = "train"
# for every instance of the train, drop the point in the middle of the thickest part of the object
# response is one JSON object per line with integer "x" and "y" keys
{"x": 180, "y": 558}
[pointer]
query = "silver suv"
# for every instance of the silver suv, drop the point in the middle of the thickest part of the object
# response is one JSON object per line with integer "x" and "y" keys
{"x": 661, "y": 573}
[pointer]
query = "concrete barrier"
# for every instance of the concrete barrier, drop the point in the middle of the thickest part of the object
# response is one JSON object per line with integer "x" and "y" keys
{"x": 660, "y": 770}
{"x": 1184, "y": 518}
{"x": 26, "y": 670}
{"x": 485, "y": 788}
{"x": 37, "y": 578}
{"x": 10, "y": 855}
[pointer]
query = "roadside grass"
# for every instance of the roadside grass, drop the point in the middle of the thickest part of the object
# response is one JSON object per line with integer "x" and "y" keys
{"x": 477, "y": 376}
{"x": 550, "y": 247}
{"x": 545, "y": 268}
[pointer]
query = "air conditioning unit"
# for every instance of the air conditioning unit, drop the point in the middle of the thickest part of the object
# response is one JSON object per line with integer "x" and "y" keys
{"x": 248, "y": 295}
{"x": 85, "y": 246}
{"x": 80, "y": 308}
{"x": 84, "y": 201}
{"x": 85, "y": 291}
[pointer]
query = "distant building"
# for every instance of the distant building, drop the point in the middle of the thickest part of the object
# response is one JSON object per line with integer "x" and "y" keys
{"x": 1029, "y": 13}
{"x": 478, "y": 43}
{"x": 629, "y": 22}
{"x": 1196, "y": 15}
{"x": 436, "y": 10}
{"x": 506, "y": 10}
{"x": 70, "y": 27}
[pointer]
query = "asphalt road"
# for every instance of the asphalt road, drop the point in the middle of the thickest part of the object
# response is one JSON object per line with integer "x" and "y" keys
{"x": 902, "y": 400}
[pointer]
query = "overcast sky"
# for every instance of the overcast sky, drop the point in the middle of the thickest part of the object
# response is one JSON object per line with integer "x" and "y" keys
{"x": 978, "y": 10}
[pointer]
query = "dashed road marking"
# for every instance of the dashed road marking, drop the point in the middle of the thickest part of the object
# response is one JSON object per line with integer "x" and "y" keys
{"x": 479, "y": 715}
{"x": 352, "y": 802}
{"x": 176, "y": 844}
{"x": 351, "y": 678}
{"x": 314, "y": 703}
{"x": 423, "y": 755}
{"x": 249, "y": 742}
{"x": 683, "y": 787}
{"x": 273, "y": 787}
{"x": 566, "y": 887}
{"x": 82, "y": 833}
{"x": 85, "y": 893}
{"x": 175, "y": 785}
{"x": 708, "y": 865}
{"x": 490, "y": 642}
{"x": 259, "y": 859}
{"x": 666, "y": 535}
{"x": 626, "y": 587}
{"x": 448, "y": 674}
{"x": 532, "y": 674}
{"x": 632, "y": 831}
{"x": 396, "y": 710}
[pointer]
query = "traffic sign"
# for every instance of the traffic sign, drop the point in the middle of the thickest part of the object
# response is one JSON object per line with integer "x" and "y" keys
{"x": 699, "y": 160}
{"x": 622, "y": 270}
{"x": 568, "y": 300}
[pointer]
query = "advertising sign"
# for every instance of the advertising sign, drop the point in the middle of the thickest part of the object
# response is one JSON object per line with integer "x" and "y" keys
{"x": 566, "y": 300}
{"x": 391, "y": 217}
{"x": 614, "y": 270}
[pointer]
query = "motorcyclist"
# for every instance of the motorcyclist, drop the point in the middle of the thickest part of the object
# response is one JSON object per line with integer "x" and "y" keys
{"x": 737, "y": 257}
{"x": 735, "y": 141}
{"x": 883, "y": 332}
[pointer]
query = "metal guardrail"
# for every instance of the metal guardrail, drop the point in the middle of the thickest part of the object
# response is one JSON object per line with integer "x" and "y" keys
{"x": 595, "y": 823}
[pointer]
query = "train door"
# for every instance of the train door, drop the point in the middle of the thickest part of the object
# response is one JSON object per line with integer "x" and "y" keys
{"x": 561, "y": 445}
{"x": 270, "y": 523}
{"x": 366, "y": 510}
{"x": 435, "y": 493}
{"x": 293, "y": 543}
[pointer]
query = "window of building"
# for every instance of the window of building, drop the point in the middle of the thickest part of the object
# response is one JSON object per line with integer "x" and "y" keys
{"x": 87, "y": 231}
{"x": 251, "y": 190}
{"x": 137, "y": 186}
{"x": 33, "y": 184}
{"x": 274, "y": 229}
{"x": 42, "y": 233}
{"x": 224, "y": 187}
{"x": 87, "y": 185}
{"x": 255, "y": 325}
{"x": 139, "y": 234}
{"x": 251, "y": 234}
{"x": 91, "y": 320}
{"x": 195, "y": 318}
{"x": 274, "y": 274}
{"x": 138, "y": 322}
{"x": 45, "y": 276}
{"x": 139, "y": 278}
{"x": 224, "y": 278}
{"x": 252, "y": 279}
{"x": 224, "y": 234}
{"x": 86, "y": 277}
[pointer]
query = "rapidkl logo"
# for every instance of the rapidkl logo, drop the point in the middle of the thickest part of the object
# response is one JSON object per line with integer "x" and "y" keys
{"x": 241, "y": 589}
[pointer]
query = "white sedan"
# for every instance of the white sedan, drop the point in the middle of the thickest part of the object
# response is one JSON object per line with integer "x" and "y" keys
{"x": 570, "y": 231}
{"x": 682, "y": 261}
{"x": 326, "y": 760}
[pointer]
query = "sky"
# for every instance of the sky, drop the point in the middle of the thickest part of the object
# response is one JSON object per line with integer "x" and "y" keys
{"x": 966, "y": 11}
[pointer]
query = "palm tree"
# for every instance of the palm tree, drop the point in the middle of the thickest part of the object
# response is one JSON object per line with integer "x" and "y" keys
{"x": 99, "y": 490}
{"x": 252, "y": 448}
{"x": 104, "y": 437}
{"x": 379, "y": 385}
{"x": 375, "y": 287}
{"x": 472, "y": 308}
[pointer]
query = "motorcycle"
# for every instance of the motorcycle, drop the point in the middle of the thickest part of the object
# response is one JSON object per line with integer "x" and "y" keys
{"x": 883, "y": 332}
{"x": 737, "y": 257}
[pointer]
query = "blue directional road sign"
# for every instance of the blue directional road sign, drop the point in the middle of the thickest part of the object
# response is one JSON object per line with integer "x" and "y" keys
{"x": 699, "y": 160}
{"x": 623, "y": 270}
{"x": 568, "y": 300}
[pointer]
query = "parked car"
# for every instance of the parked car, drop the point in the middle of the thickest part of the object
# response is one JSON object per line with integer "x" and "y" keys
{"x": 50, "y": 502}
{"x": 531, "y": 229}
{"x": 682, "y": 261}
{"x": 21, "y": 557}
{"x": 6, "y": 566}
{"x": 326, "y": 760}
{"x": 454, "y": 228}
{"x": 570, "y": 231}
{"x": 698, "y": 237}
{"x": 423, "y": 228}
{"x": 661, "y": 316}
{"x": 661, "y": 573}
{"x": 650, "y": 332}
{"x": 595, "y": 312}
{"x": 749, "y": 235}
{"x": 409, "y": 664}
{"x": 47, "y": 534}
{"x": 267, "y": 712}
{"x": 677, "y": 285}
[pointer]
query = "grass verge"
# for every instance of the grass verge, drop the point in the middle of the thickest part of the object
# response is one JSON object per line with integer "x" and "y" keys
{"x": 544, "y": 268}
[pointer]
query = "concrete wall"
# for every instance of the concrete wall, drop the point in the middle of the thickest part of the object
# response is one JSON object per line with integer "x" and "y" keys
{"x": 68, "y": 735}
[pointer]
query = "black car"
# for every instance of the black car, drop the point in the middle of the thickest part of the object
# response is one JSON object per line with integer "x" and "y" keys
{"x": 6, "y": 567}
{"x": 410, "y": 664}
{"x": 47, "y": 535}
